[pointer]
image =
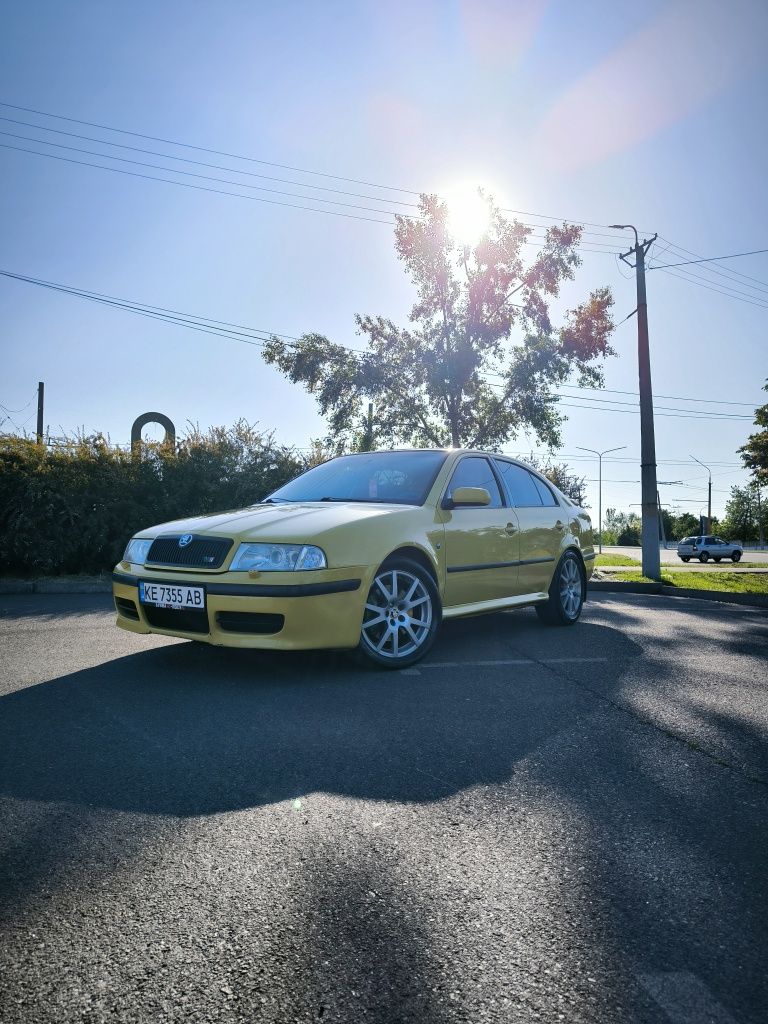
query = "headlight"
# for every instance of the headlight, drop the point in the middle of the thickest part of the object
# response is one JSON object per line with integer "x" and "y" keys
{"x": 137, "y": 550}
{"x": 278, "y": 557}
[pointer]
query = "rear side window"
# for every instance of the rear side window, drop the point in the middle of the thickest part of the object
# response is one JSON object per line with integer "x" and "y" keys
{"x": 520, "y": 484}
{"x": 547, "y": 497}
{"x": 475, "y": 471}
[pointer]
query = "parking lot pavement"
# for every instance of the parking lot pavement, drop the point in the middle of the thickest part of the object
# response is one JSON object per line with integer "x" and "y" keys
{"x": 533, "y": 824}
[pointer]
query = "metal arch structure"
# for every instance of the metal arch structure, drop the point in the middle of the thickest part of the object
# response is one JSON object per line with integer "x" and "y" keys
{"x": 152, "y": 417}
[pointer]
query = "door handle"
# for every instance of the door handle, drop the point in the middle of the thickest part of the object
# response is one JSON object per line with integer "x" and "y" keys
{"x": 510, "y": 529}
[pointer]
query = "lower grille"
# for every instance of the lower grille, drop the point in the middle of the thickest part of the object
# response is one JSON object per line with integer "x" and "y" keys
{"x": 197, "y": 553}
{"x": 126, "y": 608}
{"x": 186, "y": 620}
{"x": 250, "y": 622}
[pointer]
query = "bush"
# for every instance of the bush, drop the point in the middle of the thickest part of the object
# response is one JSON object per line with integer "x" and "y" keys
{"x": 71, "y": 509}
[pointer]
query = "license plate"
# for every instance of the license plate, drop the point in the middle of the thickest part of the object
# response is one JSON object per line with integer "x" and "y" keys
{"x": 165, "y": 595}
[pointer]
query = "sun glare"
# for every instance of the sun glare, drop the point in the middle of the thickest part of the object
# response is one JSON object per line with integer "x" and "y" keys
{"x": 468, "y": 214}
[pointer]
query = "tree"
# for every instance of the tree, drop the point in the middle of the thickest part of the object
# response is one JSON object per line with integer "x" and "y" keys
{"x": 622, "y": 528}
{"x": 754, "y": 453}
{"x": 561, "y": 476}
{"x": 455, "y": 376}
{"x": 686, "y": 524}
{"x": 744, "y": 515}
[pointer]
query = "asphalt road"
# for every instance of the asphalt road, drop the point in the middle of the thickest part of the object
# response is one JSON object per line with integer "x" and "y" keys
{"x": 669, "y": 556}
{"x": 536, "y": 825}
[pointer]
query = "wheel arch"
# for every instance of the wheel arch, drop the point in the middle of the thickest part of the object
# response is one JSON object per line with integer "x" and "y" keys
{"x": 417, "y": 555}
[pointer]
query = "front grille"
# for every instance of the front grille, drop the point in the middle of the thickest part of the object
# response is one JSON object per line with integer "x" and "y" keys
{"x": 200, "y": 553}
{"x": 185, "y": 620}
{"x": 250, "y": 622}
{"x": 126, "y": 608}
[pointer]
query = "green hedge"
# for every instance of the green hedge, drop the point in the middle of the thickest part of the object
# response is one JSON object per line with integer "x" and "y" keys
{"x": 71, "y": 508}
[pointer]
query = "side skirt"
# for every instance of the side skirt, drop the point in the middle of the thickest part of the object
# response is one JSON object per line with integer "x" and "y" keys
{"x": 478, "y": 607}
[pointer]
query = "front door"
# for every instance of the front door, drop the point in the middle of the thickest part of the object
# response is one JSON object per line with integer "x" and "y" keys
{"x": 481, "y": 543}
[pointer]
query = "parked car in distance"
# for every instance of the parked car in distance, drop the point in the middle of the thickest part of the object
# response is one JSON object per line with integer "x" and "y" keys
{"x": 369, "y": 551}
{"x": 705, "y": 548}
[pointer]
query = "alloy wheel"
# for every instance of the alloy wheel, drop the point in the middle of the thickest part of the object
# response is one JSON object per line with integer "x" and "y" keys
{"x": 570, "y": 588}
{"x": 398, "y": 614}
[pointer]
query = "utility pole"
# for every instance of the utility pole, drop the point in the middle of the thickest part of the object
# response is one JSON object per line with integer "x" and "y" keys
{"x": 600, "y": 484}
{"x": 40, "y": 403}
{"x": 651, "y": 555}
{"x": 709, "y": 494}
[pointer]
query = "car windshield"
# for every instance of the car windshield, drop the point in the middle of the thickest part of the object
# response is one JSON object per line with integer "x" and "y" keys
{"x": 402, "y": 478}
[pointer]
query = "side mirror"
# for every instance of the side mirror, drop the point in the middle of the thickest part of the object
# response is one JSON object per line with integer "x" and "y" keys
{"x": 464, "y": 496}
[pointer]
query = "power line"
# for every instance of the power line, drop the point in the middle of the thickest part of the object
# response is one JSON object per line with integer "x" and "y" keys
{"x": 259, "y": 338}
{"x": 710, "y": 259}
{"x": 204, "y": 149}
{"x": 193, "y": 174}
{"x": 198, "y": 188}
{"x": 188, "y": 160}
{"x": 724, "y": 272}
{"x": 236, "y": 156}
{"x": 710, "y": 286}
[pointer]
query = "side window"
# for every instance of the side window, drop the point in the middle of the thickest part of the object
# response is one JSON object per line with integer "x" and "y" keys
{"x": 475, "y": 471}
{"x": 546, "y": 495}
{"x": 520, "y": 484}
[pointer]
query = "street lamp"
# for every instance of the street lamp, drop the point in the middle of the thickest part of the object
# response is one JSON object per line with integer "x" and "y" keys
{"x": 600, "y": 483}
{"x": 709, "y": 497}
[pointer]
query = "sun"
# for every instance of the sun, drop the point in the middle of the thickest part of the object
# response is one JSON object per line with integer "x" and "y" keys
{"x": 469, "y": 213}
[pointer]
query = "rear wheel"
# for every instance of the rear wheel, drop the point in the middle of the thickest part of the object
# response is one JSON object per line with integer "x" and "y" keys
{"x": 401, "y": 615}
{"x": 566, "y": 593}
{"x": 736, "y": 556}
{"x": 704, "y": 556}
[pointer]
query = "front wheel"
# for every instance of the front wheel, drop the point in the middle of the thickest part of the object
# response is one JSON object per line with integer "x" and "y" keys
{"x": 736, "y": 556}
{"x": 685, "y": 558}
{"x": 401, "y": 615}
{"x": 566, "y": 593}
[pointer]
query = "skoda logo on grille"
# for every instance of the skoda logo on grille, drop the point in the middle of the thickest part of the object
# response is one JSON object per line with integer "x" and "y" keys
{"x": 185, "y": 540}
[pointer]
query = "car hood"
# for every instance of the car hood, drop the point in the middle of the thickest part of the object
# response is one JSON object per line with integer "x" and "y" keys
{"x": 294, "y": 522}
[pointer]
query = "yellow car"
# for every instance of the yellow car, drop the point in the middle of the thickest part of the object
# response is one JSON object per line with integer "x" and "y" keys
{"x": 369, "y": 551}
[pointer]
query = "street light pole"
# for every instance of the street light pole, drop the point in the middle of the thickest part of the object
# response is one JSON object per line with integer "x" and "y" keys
{"x": 709, "y": 494}
{"x": 600, "y": 484}
{"x": 651, "y": 555}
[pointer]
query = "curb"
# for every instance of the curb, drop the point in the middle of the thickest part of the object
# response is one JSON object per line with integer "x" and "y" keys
{"x": 616, "y": 587}
{"x": 51, "y": 585}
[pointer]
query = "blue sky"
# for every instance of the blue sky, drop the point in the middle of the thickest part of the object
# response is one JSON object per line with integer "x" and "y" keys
{"x": 596, "y": 111}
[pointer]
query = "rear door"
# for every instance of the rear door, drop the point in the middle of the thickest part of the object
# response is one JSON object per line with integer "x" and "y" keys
{"x": 481, "y": 543}
{"x": 542, "y": 524}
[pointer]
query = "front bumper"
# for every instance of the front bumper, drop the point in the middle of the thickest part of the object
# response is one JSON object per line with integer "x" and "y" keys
{"x": 288, "y": 611}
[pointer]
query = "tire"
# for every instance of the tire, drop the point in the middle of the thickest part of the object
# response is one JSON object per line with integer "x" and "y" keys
{"x": 567, "y": 592}
{"x": 401, "y": 615}
{"x": 718, "y": 558}
{"x": 685, "y": 558}
{"x": 736, "y": 556}
{"x": 704, "y": 556}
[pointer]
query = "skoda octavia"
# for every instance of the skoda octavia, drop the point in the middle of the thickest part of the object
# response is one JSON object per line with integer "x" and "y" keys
{"x": 369, "y": 551}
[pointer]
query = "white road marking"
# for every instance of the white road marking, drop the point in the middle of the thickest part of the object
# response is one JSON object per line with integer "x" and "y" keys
{"x": 684, "y": 998}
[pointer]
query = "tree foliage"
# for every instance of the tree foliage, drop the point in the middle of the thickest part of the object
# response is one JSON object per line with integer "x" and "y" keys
{"x": 481, "y": 357}
{"x": 754, "y": 453}
{"x": 745, "y": 513}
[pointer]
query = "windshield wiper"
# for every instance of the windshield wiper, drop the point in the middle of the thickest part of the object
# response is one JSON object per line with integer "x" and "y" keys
{"x": 273, "y": 501}
{"x": 341, "y": 499}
